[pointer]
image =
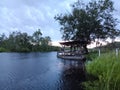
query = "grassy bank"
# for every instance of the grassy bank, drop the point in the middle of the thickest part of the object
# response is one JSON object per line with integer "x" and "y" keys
{"x": 106, "y": 72}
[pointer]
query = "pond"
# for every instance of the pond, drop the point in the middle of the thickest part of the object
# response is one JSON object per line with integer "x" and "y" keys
{"x": 39, "y": 71}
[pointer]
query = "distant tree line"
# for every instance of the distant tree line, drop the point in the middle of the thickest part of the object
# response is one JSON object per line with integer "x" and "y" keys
{"x": 22, "y": 42}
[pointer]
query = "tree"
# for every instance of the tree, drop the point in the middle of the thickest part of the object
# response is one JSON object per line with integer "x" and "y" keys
{"x": 2, "y": 39}
{"x": 37, "y": 36}
{"x": 47, "y": 40}
{"x": 22, "y": 42}
{"x": 19, "y": 42}
{"x": 89, "y": 21}
{"x": 3, "y": 43}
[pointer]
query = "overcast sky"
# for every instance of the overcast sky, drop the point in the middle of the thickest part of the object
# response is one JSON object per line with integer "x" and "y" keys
{"x": 29, "y": 15}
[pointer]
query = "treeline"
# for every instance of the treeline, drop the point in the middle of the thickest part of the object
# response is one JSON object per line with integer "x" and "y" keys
{"x": 22, "y": 42}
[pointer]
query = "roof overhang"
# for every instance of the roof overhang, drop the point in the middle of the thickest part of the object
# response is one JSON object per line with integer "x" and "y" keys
{"x": 69, "y": 43}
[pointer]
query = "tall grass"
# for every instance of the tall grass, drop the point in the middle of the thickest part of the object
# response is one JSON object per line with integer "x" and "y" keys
{"x": 107, "y": 69}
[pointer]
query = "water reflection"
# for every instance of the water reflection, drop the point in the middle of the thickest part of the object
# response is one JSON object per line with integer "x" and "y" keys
{"x": 73, "y": 75}
{"x": 39, "y": 71}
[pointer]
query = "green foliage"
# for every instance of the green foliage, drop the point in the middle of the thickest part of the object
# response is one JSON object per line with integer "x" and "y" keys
{"x": 89, "y": 21}
{"x": 37, "y": 36}
{"x": 22, "y": 42}
{"x": 107, "y": 69}
{"x": 92, "y": 55}
{"x": 2, "y": 49}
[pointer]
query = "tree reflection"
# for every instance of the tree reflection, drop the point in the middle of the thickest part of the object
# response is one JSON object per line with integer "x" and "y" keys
{"x": 73, "y": 75}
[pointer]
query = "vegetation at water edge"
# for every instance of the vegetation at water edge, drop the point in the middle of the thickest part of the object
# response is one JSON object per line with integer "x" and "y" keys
{"x": 105, "y": 72}
{"x": 22, "y": 42}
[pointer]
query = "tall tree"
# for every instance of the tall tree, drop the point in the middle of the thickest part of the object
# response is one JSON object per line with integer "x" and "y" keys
{"x": 2, "y": 38}
{"x": 89, "y": 21}
{"x": 47, "y": 40}
{"x": 18, "y": 42}
{"x": 37, "y": 36}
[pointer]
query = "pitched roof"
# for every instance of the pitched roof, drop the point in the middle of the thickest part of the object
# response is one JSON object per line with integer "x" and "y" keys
{"x": 79, "y": 42}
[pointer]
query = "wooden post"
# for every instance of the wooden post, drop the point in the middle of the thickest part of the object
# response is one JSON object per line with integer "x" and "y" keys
{"x": 116, "y": 51}
{"x": 64, "y": 50}
{"x": 99, "y": 52}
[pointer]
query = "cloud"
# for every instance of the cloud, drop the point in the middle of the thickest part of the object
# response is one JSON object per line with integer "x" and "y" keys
{"x": 29, "y": 15}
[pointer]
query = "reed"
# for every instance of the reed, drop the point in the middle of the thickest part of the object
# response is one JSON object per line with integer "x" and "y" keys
{"x": 107, "y": 70}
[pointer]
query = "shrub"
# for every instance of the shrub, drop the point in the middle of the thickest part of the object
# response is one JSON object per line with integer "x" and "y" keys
{"x": 2, "y": 49}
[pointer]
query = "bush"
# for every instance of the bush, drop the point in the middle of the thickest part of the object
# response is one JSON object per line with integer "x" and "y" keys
{"x": 2, "y": 49}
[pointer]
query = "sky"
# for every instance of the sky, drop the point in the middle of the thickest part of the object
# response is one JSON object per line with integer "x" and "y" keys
{"x": 30, "y": 15}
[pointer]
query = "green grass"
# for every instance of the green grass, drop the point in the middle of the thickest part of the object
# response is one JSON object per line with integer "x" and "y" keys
{"x": 92, "y": 55}
{"x": 107, "y": 70}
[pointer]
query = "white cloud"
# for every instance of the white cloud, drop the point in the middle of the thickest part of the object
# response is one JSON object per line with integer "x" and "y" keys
{"x": 29, "y": 15}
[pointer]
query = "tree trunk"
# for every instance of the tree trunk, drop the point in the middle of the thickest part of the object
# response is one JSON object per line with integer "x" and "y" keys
{"x": 86, "y": 49}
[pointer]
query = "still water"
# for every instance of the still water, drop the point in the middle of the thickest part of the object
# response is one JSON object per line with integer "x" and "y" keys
{"x": 39, "y": 71}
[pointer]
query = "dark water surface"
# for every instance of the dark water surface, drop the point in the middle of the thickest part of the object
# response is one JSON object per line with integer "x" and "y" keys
{"x": 39, "y": 71}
